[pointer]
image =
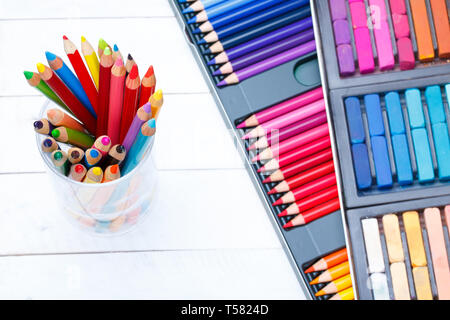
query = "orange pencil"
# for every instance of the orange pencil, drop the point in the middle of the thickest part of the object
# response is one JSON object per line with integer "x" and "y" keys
{"x": 333, "y": 273}
{"x": 147, "y": 86}
{"x": 329, "y": 261}
{"x": 116, "y": 100}
{"x": 106, "y": 63}
{"x": 59, "y": 118}
{"x": 422, "y": 30}
{"x": 336, "y": 285}
{"x": 130, "y": 101}
{"x": 442, "y": 27}
{"x": 111, "y": 173}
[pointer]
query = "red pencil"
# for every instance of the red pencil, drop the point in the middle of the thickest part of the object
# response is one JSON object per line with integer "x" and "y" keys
{"x": 314, "y": 213}
{"x": 55, "y": 83}
{"x": 147, "y": 86}
{"x": 296, "y": 154}
{"x": 116, "y": 100}
{"x": 130, "y": 101}
{"x": 81, "y": 71}
{"x": 300, "y": 166}
{"x": 104, "y": 82}
{"x": 303, "y": 177}
{"x": 307, "y": 189}
{"x": 311, "y": 201}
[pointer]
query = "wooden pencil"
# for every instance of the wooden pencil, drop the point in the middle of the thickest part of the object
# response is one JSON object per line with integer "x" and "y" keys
{"x": 314, "y": 213}
{"x": 92, "y": 157}
{"x": 111, "y": 173}
{"x": 336, "y": 285}
{"x": 74, "y": 137}
{"x": 346, "y": 294}
{"x": 130, "y": 101}
{"x": 329, "y": 261}
{"x": 43, "y": 126}
{"x": 102, "y": 45}
{"x": 115, "y": 155}
{"x": 59, "y": 118}
{"x": 116, "y": 54}
{"x": 333, "y": 273}
{"x": 49, "y": 145}
{"x": 106, "y": 63}
{"x": 143, "y": 114}
{"x": 94, "y": 175}
{"x": 147, "y": 86}
{"x": 59, "y": 159}
{"x": 91, "y": 59}
{"x": 116, "y": 100}
{"x": 157, "y": 101}
{"x": 77, "y": 172}
{"x": 129, "y": 64}
{"x": 102, "y": 144}
{"x": 75, "y": 155}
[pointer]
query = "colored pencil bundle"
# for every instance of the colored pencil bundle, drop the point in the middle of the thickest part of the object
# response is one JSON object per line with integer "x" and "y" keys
{"x": 108, "y": 117}
{"x": 249, "y": 37}
{"x": 292, "y": 139}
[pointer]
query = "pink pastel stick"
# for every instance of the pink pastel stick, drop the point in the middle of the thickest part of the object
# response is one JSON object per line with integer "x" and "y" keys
{"x": 384, "y": 46}
{"x": 401, "y": 25}
{"x": 351, "y": 1}
{"x": 358, "y": 14}
{"x": 447, "y": 218}
{"x": 397, "y": 6}
{"x": 364, "y": 50}
{"x": 377, "y": 11}
{"x": 405, "y": 54}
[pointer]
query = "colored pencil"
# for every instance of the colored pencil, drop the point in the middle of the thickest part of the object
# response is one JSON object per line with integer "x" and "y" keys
{"x": 275, "y": 136}
{"x": 336, "y": 285}
{"x": 313, "y": 213}
{"x": 259, "y": 42}
{"x": 70, "y": 80}
{"x": 292, "y": 159}
{"x": 130, "y": 101}
{"x": 253, "y": 20}
{"x": 106, "y": 63}
{"x": 242, "y": 12}
{"x": 303, "y": 177}
{"x": 59, "y": 159}
{"x": 143, "y": 114}
{"x": 333, "y": 273}
{"x": 282, "y": 108}
{"x": 91, "y": 60}
{"x": 94, "y": 175}
{"x": 199, "y": 5}
{"x": 292, "y": 143}
{"x": 43, "y": 126}
{"x": 81, "y": 71}
{"x": 75, "y": 155}
{"x": 157, "y": 101}
{"x": 300, "y": 112}
{"x": 59, "y": 118}
{"x": 102, "y": 144}
{"x": 49, "y": 145}
{"x": 116, "y": 100}
{"x": 92, "y": 157}
{"x": 263, "y": 28}
{"x": 264, "y": 53}
{"x": 310, "y": 202}
{"x": 77, "y": 172}
{"x": 116, "y": 54}
{"x": 74, "y": 137}
{"x": 269, "y": 63}
{"x": 129, "y": 64}
{"x": 346, "y": 294}
{"x": 54, "y": 82}
{"x": 34, "y": 80}
{"x": 307, "y": 189}
{"x": 139, "y": 147}
{"x": 111, "y": 173}
{"x": 115, "y": 155}
{"x": 102, "y": 45}
{"x": 220, "y": 9}
{"x": 329, "y": 261}
{"x": 147, "y": 86}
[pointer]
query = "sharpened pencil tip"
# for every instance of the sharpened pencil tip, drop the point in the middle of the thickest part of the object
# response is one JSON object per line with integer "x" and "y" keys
{"x": 28, "y": 74}
{"x": 288, "y": 225}
{"x": 282, "y": 213}
{"x": 201, "y": 41}
{"x": 130, "y": 57}
{"x": 188, "y": 10}
{"x": 40, "y": 67}
{"x": 192, "y": 20}
{"x": 212, "y": 62}
{"x": 278, "y": 202}
{"x": 309, "y": 270}
{"x": 241, "y": 125}
{"x": 50, "y": 56}
{"x": 217, "y": 72}
{"x": 267, "y": 180}
{"x": 149, "y": 72}
{"x": 107, "y": 51}
{"x": 134, "y": 73}
{"x": 65, "y": 38}
{"x": 273, "y": 191}
{"x": 222, "y": 83}
{"x": 116, "y": 48}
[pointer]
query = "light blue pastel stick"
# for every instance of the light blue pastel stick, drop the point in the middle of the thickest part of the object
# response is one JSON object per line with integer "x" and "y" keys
{"x": 447, "y": 93}
{"x": 442, "y": 147}
{"x": 70, "y": 80}
{"x": 415, "y": 108}
{"x": 422, "y": 151}
{"x": 435, "y": 105}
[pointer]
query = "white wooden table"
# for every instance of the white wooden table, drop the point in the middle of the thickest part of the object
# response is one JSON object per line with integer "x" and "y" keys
{"x": 208, "y": 237}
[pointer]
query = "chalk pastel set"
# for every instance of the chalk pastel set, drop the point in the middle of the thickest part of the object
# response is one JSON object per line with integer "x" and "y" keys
{"x": 259, "y": 60}
{"x": 390, "y": 131}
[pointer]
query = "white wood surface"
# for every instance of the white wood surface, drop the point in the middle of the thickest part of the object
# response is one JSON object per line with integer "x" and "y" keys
{"x": 208, "y": 236}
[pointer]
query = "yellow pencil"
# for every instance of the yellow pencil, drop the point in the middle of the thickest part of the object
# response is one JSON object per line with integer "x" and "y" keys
{"x": 91, "y": 59}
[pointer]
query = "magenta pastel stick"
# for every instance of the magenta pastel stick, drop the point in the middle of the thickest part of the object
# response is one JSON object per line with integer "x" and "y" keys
{"x": 358, "y": 14}
{"x": 405, "y": 54}
{"x": 338, "y": 10}
{"x": 345, "y": 59}
{"x": 143, "y": 114}
{"x": 341, "y": 32}
{"x": 384, "y": 46}
{"x": 364, "y": 50}
{"x": 401, "y": 26}
{"x": 397, "y": 7}
{"x": 287, "y": 119}
{"x": 282, "y": 108}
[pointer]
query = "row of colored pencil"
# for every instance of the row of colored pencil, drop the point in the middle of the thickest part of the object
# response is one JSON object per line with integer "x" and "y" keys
{"x": 249, "y": 37}
{"x": 335, "y": 272}
{"x": 293, "y": 144}
{"x": 108, "y": 102}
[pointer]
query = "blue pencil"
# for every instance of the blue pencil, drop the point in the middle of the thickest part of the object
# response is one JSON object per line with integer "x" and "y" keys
{"x": 202, "y": 5}
{"x": 215, "y": 11}
{"x": 253, "y": 20}
{"x": 70, "y": 80}
{"x": 139, "y": 147}
{"x": 223, "y": 20}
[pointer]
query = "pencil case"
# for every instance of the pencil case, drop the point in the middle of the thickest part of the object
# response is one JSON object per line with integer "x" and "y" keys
{"x": 391, "y": 136}
{"x": 303, "y": 245}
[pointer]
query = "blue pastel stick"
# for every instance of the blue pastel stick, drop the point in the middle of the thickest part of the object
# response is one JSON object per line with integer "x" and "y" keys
{"x": 222, "y": 8}
{"x": 394, "y": 113}
{"x": 206, "y": 4}
{"x": 422, "y": 151}
{"x": 255, "y": 19}
{"x": 70, "y": 80}
{"x": 381, "y": 161}
{"x": 435, "y": 105}
{"x": 415, "y": 108}
{"x": 240, "y": 13}
{"x": 362, "y": 166}
{"x": 374, "y": 114}
{"x": 402, "y": 159}
{"x": 354, "y": 120}
{"x": 447, "y": 93}
{"x": 442, "y": 147}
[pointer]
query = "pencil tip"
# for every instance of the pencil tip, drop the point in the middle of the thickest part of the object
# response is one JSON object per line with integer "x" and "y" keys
{"x": 149, "y": 71}
{"x": 65, "y": 38}
{"x": 28, "y": 74}
{"x": 273, "y": 191}
{"x": 134, "y": 73}
{"x": 309, "y": 270}
{"x": 255, "y": 158}
{"x": 50, "y": 56}
{"x": 107, "y": 51}
{"x": 115, "y": 48}
{"x": 197, "y": 31}
{"x": 241, "y": 125}
{"x": 267, "y": 180}
{"x": 320, "y": 293}
{"x": 119, "y": 62}
{"x": 217, "y": 72}
{"x": 282, "y": 213}
{"x": 40, "y": 67}
{"x": 212, "y": 62}
{"x": 252, "y": 147}
{"x": 222, "y": 83}
{"x": 278, "y": 202}
{"x": 83, "y": 39}
{"x": 151, "y": 123}
{"x": 288, "y": 225}
{"x": 314, "y": 281}
{"x": 192, "y": 20}
{"x": 130, "y": 57}
{"x": 201, "y": 41}
{"x": 188, "y": 10}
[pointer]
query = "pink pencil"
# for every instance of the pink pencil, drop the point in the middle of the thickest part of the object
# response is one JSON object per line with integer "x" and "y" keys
{"x": 282, "y": 108}
{"x": 292, "y": 143}
{"x": 287, "y": 119}
{"x": 115, "y": 100}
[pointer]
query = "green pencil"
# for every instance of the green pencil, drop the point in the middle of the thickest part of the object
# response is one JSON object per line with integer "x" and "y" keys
{"x": 77, "y": 138}
{"x": 59, "y": 159}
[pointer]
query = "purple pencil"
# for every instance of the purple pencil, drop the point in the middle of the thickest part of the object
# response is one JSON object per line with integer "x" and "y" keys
{"x": 260, "y": 42}
{"x": 269, "y": 63}
{"x": 276, "y": 136}
{"x": 143, "y": 114}
{"x": 266, "y": 52}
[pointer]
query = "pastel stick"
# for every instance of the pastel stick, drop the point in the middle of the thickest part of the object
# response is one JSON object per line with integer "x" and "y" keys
{"x": 422, "y": 151}
{"x": 364, "y": 50}
{"x": 358, "y": 14}
{"x": 381, "y": 161}
{"x": 341, "y": 32}
{"x": 345, "y": 59}
{"x": 362, "y": 166}
{"x": 374, "y": 114}
{"x": 397, "y": 6}
{"x": 372, "y": 243}
{"x": 354, "y": 120}
{"x": 384, "y": 45}
{"x": 379, "y": 286}
{"x": 401, "y": 26}
{"x": 406, "y": 56}
{"x": 394, "y": 113}
{"x": 338, "y": 9}
{"x": 435, "y": 105}
{"x": 442, "y": 148}
{"x": 415, "y": 108}
{"x": 402, "y": 159}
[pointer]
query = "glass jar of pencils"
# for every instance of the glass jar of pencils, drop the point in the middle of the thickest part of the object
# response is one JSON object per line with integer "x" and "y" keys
{"x": 110, "y": 208}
